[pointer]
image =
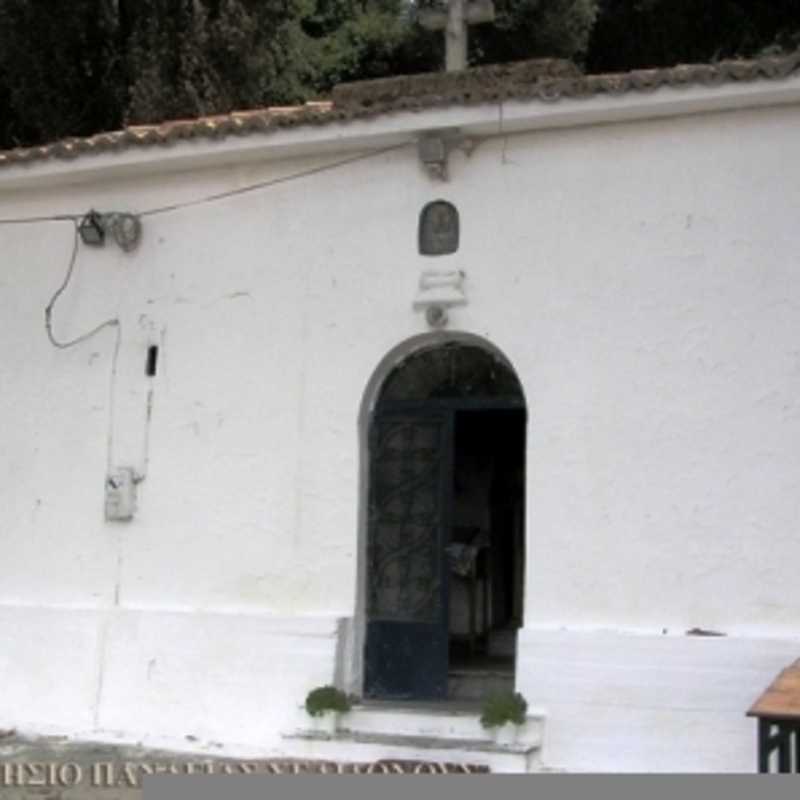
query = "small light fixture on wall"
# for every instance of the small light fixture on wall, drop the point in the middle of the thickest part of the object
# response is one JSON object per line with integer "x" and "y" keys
{"x": 91, "y": 230}
{"x": 432, "y": 150}
{"x": 125, "y": 228}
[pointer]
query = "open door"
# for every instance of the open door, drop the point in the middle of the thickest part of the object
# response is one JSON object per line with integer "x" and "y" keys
{"x": 406, "y": 653}
{"x": 443, "y": 534}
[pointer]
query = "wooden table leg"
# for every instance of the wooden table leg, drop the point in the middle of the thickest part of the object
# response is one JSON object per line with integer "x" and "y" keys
{"x": 763, "y": 745}
{"x": 784, "y": 748}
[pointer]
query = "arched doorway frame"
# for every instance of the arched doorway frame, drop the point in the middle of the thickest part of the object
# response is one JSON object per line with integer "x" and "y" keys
{"x": 350, "y": 667}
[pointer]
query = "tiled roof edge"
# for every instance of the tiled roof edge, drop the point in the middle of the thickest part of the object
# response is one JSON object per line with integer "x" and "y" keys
{"x": 544, "y": 80}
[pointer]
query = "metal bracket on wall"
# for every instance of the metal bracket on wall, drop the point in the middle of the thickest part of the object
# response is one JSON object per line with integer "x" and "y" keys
{"x": 434, "y": 149}
{"x": 439, "y": 290}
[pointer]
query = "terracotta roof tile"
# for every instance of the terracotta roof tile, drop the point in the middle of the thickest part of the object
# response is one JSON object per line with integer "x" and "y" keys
{"x": 543, "y": 80}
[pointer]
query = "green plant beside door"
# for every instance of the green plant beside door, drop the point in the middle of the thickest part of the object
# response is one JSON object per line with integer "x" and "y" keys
{"x": 503, "y": 714}
{"x": 324, "y": 705}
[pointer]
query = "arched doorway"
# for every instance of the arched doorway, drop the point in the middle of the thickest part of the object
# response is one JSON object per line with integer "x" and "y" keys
{"x": 445, "y": 522}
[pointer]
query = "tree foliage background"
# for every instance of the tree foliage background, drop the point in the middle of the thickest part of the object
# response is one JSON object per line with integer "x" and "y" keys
{"x": 75, "y": 67}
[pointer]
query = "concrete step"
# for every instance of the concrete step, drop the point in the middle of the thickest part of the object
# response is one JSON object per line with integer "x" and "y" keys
{"x": 350, "y": 746}
{"x": 445, "y": 720}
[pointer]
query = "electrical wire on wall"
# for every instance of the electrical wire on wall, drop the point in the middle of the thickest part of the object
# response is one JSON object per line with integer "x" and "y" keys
{"x": 65, "y": 345}
{"x": 213, "y": 198}
{"x": 48, "y": 312}
{"x": 100, "y": 223}
{"x": 253, "y": 187}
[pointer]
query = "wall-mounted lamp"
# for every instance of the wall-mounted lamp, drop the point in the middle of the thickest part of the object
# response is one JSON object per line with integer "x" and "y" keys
{"x": 433, "y": 152}
{"x": 91, "y": 230}
{"x": 124, "y": 227}
{"x": 126, "y": 230}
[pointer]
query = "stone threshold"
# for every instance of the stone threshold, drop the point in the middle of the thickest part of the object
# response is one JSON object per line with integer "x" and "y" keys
{"x": 416, "y": 742}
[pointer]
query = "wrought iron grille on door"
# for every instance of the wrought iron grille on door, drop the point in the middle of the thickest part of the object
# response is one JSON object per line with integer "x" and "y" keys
{"x": 406, "y": 510}
{"x": 406, "y": 584}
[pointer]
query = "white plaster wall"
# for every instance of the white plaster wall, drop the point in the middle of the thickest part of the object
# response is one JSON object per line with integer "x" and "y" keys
{"x": 640, "y": 277}
{"x": 629, "y": 702}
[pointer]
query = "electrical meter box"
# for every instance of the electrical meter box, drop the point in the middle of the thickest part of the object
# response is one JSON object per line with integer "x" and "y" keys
{"x": 121, "y": 494}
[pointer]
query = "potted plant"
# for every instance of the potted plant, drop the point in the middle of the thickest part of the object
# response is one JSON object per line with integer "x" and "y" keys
{"x": 503, "y": 714}
{"x": 324, "y": 705}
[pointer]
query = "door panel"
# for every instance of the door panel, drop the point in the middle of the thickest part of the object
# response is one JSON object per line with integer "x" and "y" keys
{"x": 406, "y": 652}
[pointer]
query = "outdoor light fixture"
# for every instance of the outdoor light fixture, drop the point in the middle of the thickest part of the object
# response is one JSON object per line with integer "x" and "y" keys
{"x": 91, "y": 230}
{"x": 432, "y": 150}
{"x": 126, "y": 229}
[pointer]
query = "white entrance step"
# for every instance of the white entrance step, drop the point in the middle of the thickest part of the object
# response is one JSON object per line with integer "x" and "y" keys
{"x": 445, "y": 733}
{"x": 347, "y": 746}
{"x": 444, "y": 720}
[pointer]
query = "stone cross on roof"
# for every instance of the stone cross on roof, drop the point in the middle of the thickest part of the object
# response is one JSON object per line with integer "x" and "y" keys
{"x": 455, "y": 21}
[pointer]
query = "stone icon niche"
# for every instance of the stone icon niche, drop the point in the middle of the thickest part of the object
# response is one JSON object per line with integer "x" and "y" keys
{"x": 438, "y": 229}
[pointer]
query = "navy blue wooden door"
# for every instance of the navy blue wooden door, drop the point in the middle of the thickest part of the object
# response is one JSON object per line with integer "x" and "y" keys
{"x": 406, "y": 653}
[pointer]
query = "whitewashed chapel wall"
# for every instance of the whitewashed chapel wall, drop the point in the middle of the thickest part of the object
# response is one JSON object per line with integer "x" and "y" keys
{"x": 642, "y": 279}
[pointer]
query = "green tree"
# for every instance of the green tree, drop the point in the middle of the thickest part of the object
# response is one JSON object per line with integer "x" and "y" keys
{"x": 188, "y": 59}
{"x": 535, "y": 29}
{"x": 647, "y": 33}
{"x": 75, "y": 68}
{"x": 59, "y": 70}
{"x": 362, "y": 39}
